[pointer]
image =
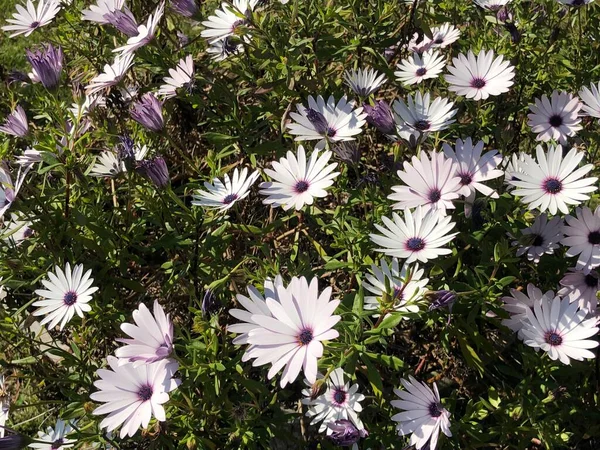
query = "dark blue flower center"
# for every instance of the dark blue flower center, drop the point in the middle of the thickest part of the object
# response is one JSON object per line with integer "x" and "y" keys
{"x": 553, "y": 338}
{"x": 421, "y": 71}
{"x": 339, "y": 396}
{"x": 415, "y": 244}
{"x": 305, "y": 337}
{"x": 70, "y": 298}
{"x": 591, "y": 281}
{"x": 34, "y": 25}
{"x": 556, "y": 121}
{"x": 594, "y": 237}
{"x": 434, "y": 195}
{"x": 301, "y": 187}
{"x": 538, "y": 240}
{"x": 422, "y": 125}
{"x": 435, "y": 409}
{"x": 230, "y": 198}
{"x": 145, "y": 393}
{"x": 28, "y": 232}
{"x": 57, "y": 444}
{"x": 552, "y": 186}
{"x": 478, "y": 83}
{"x": 398, "y": 293}
{"x": 465, "y": 179}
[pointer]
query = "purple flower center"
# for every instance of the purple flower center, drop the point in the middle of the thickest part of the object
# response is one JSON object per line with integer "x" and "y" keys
{"x": 421, "y": 71}
{"x": 27, "y": 233}
{"x": 305, "y": 337}
{"x": 553, "y": 338}
{"x": 439, "y": 40}
{"x": 301, "y": 187}
{"x": 465, "y": 179}
{"x": 591, "y": 281}
{"x": 229, "y": 199}
{"x": 398, "y": 293}
{"x": 578, "y": 2}
{"x": 145, "y": 393}
{"x": 422, "y": 125}
{"x": 552, "y": 186}
{"x": 434, "y": 195}
{"x": 478, "y": 83}
{"x": 594, "y": 237}
{"x": 538, "y": 240}
{"x": 70, "y": 298}
{"x": 57, "y": 444}
{"x": 331, "y": 132}
{"x": 339, "y": 396}
{"x": 34, "y": 25}
{"x": 435, "y": 409}
{"x": 415, "y": 244}
{"x": 556, "y": 121}
{"x": 235, "y": 26}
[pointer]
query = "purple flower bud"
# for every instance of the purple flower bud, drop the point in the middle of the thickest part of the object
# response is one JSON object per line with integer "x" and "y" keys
{"x": 210, "y": 304}
{"x": 148, "y": 112}
{"x": 155, "y": 170}
{"x": 47, "y": 65}
{"x": 17, "y": 75}
{"x": 504, "y": 15}
{"x": 380, "y": 116}
{"x": 186, "y": 8}
{"x": 318, "y": 120}
{"x": 344, "y": 433}
{"x": 515, "y": 35}
{"x": 123, "y": 21}
{"x": 14, "y": 442}
{"x": 441, "y": 299}
{"x": 182, "y": 38}
{"x": 16, "y": 123}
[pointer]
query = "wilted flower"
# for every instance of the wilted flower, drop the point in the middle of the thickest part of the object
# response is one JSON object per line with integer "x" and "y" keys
{"x": 155, "y": 170}
{"x": 16, "y": 123}
{"x": 347, "y": 151}
{"x": 46, "y": 65}
{"x": 187, "y": 8}
{"x": 380, "y": 116}
{"x": 148, "y": 112}
{"x": 344, "y": 433}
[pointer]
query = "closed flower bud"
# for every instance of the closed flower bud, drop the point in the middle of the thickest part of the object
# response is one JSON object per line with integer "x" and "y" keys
{"x": 344, "y": 433}
{"x": 46, "y": 64}
{"x": 441, "y": 299}
{"x": 210, "y": 304}
{"x": 380, "y": 116}
{"x": 155, "y": 170}
{"x": 123, "y": 21}
{"x": 148, "y": 112}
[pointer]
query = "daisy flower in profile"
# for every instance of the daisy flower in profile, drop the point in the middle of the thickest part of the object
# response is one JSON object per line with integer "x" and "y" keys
{"x": 555, "y": 118}
{"x": 112, "y": 75}
{"x": 340, "y": 401}
{"x": 364, "y": 82}
{"x": 8, "y": 190}
{"x": 227, "y": 21}
{"x": 98, "y": 12}
{"x": 444, "y": 35}
{"x": 224, "y": 48}
{"x": 67, "y": 292}
{"x": 298, "y": 181}
{"x": 430, "y": 182}
{"x": 223, "y": 196}
{"x": 291, "y": 337}
{"x": 17, "y": 230}
{"x": 553, "y": 182}
{"x": 181, "y": 76}
{"x": 327, "y": 122}
{"x": 29, "y": 18}
{"x": 55, "y": 438}
{"x": 478, "y": 77}
{"x": 422, "y": 115}
{"x": 472, "y": 168}
{"x": 423, "y": 414}
{"x": 517, "y": 305}
{"x": 513, "y": 168}
{"x": 575, "y": 2}
{"x": 132, "y": 395}
{"x": 151, "y": 338}
{"x": 492, "y": 5}
{"x": 582, "y": 236}
{"x": 401, "y": 287}
{"x": 591, "y": 100}
{"x": 16, "y": 123}
{"x": 419, "y": 44}
{"x": 419, "y": 236}
{"x": 543, "y": 237}
{"x": 145, "y": 32}
{"x": 107, "y": 165}
{"x": 417, "y": 68}
{"x": 559, "y": 328}
{"x": 581, "y": 288}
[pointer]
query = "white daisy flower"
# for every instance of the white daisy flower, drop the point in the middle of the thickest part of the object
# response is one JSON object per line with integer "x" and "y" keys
{"x": 591, "y": 100}
{"x": 582, "y": 236}
{"x": 543, "y": 237}
{"x": 54, "y": 438}
{"x": 423, "y": 416}
{"x": 575, "y": 2}
{"x": 340, "y": 401}
{"x": 422, "y": 115}
{"x": 292, "y": 335}
{"x": 112, "y": 75}
{"x": 182, "y": 76}
{"x": 17, "y": 230}
{"x": 107, "y": 165}
{"x": 403, "y": 287}
{"x": 327, "y": 121}
{"x": 29, "y": 18}
{"x": 3, "y": 289}
{"x": 227, "y": 20}
{"x": 145, "y": 32}
{"x": 430, "y": 182}
{"x": 132, "y": 395}
{"x": 224, "y": 48}
{"x": 581, "y": 288}
{"x": 16, "y": 123}
{"x": 8, "y": 190}
{"x": 481, "y": 76}
{"x": 255, "y": 304}
{"x": 364, "y": 82}
{"x": 419, "y": 236}
{"x": 492, "y": 5}
{"x": 556, "y": 118}
{"x": 151, "y": 337}
{"x": 419, "y": 44}
{"x": 298, "y": 182}
{"x": 553, "y": 182}
{"x": 517, "y": 305}
{"x": 67, "y": 292}
{"x": 559, "y": 328}
{"x": 98, "y": 12}
{"x": 513, "y": 168}
{"x": 417, "y": 68}
{"x": 444, "y": 35}
{"x": 223, "y": 196}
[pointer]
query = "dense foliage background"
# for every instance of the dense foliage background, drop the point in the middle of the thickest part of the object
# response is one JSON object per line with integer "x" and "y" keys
{"x": 144, "y": 243}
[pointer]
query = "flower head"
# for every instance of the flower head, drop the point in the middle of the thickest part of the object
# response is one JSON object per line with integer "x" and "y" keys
{"x": 54, "y": 438}
{"x": 553, "y": 182}
{"x": 581, "y": 288}
{"x": 145, "y": 33}
{"x": 112, "y": 75}
{"x": 67, "y": 292}
{"x": 381, "y": 116}
{"x": 364, "y": 82}
{"x": 543, "y": 237}
{"x": 133, "y": 394}
{"x": 46, "y": 64}
{"x": 575, "y": 2}
{"x": 555, "y": 118}
{"x": 344, "y": 433}
{"x": 98, "y": 13}
{"x": 148, "y": 112}
{"x": 444, "y": 35}
{"x": 492, "y": 5}
{"x": 224, "y": 48}
{"x": 481, "y": 76}
{"x": 417, "y": 68}
{"x": 298, "y": 181}
{"x": 423, "y": 415}
{"x": 123, "y": 20}
{"x": 424, "y": 116}
{"x": 154, "y": 169}
{"x": 187, "y": 8}
{"x": 181, "y": 76}
{"x": 591, "y": 100}
{"x": 228, "y": 21}
{"x": 582, "y": 236}
{"x": 419, "y": 236}
{"x": 17, "y": 230}
{"x": 8, "y": 190}
{"x": 16, "y": 123}
{"x": 223, "y": 196}
{"x": 517, "y": 305}
{"x": 29, "y": 18}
